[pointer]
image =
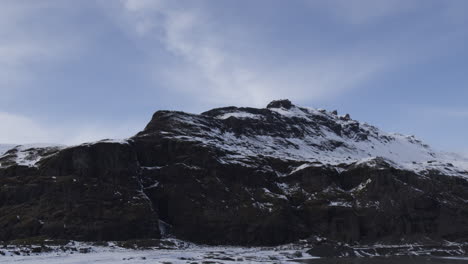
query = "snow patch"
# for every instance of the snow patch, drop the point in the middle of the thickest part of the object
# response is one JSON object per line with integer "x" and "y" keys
{"x": 240, "y": 115}
{"x": 28, "y": 154}
{"x": 340, "y": 204}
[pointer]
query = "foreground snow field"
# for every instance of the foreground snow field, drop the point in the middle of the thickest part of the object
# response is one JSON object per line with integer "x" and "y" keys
{"x": 192, "y": 254}
{"x": 187, "y": 253}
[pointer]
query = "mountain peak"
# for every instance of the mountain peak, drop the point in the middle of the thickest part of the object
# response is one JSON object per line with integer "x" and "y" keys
{"x": 283, "y": 103}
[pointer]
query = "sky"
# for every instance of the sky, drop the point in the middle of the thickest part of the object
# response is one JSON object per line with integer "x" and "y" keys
{"x": 75, "y": 71}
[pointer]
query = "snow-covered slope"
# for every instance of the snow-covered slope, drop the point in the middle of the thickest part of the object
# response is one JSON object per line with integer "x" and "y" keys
{"x": 5, "y": 147}
{"x": 28, "y": 154}
{"x": 312, "y": 136}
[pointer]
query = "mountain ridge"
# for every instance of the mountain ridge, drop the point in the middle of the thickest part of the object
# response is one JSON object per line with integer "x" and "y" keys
{"x": 424, "y": 157}
{"x": 241, "y": 176}
{"x": 344, "y": 140}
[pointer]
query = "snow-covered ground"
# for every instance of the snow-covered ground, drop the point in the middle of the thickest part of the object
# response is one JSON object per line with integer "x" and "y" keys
{"x": 174, "y": 251}
{"x": 188, "y": 254}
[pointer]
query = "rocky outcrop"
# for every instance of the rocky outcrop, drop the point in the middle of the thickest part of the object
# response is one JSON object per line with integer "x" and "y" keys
{"x": 240, "y": 176}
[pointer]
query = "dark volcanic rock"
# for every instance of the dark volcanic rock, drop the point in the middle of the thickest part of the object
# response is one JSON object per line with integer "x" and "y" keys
{"x": 239, "y": 176}
{"x": 423, "y": 247}
{"x": 88, "y": 192}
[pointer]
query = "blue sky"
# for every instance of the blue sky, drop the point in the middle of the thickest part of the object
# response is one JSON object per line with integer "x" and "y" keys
{"x": 74, "y": 71}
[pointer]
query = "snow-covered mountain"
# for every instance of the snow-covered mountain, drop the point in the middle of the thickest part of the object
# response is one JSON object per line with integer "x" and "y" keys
{"x": 242, "y": 176}
{"x": 312, "y": 136}
{"x": 284, "y": 131}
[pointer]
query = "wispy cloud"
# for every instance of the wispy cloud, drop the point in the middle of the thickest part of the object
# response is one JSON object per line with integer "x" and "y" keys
{"x": 215, "y": 66}
{"x": 213, "y": 63}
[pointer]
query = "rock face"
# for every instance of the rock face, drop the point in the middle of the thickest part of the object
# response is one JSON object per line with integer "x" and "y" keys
{"x": 88, "y": 192}
{"x": 240, "y": 176}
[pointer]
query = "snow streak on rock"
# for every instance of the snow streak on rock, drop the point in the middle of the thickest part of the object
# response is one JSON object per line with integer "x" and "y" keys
{"x": 27, "y": 155}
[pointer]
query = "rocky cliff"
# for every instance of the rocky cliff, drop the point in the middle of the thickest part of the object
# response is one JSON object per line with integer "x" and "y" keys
{"x": 238, "y": 176}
